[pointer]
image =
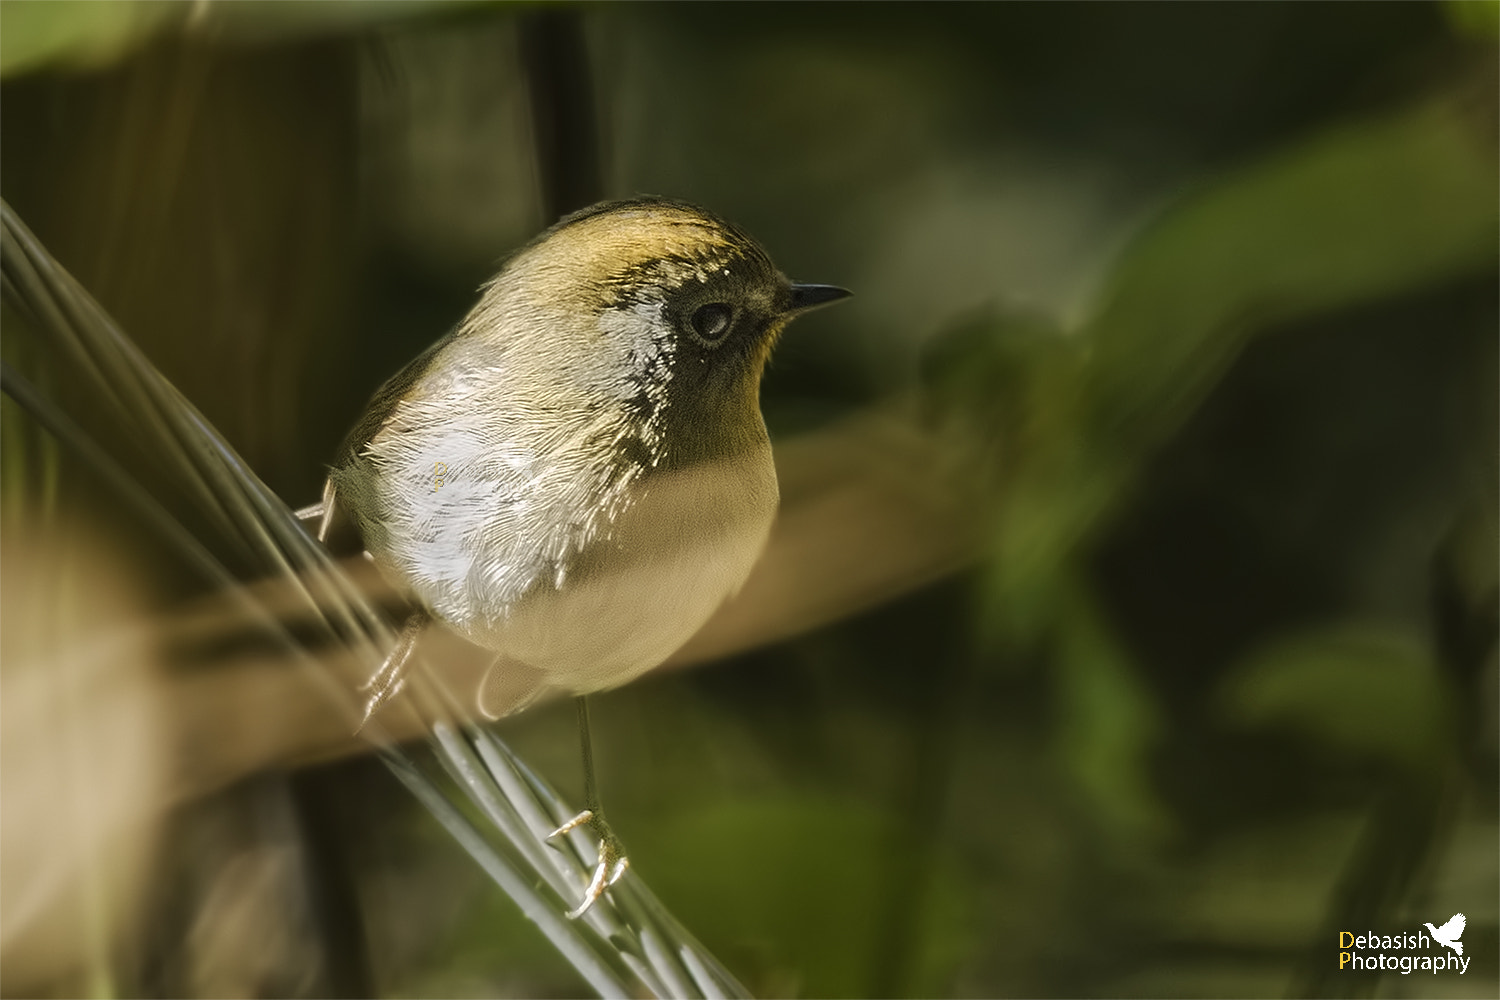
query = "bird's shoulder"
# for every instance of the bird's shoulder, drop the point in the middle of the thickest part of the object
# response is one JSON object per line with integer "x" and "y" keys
{"x": 383, "y": 403}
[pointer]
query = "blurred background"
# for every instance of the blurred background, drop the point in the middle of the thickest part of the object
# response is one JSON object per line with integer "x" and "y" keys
{"x": 1130, "y": 628}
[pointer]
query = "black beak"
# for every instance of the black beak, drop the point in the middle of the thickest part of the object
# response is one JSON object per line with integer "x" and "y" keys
{"x": 805, "y": 297}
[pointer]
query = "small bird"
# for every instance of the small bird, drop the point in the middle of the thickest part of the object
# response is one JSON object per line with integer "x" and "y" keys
{"x": 578, "y": 475}
{"x": 1449, "y": 933}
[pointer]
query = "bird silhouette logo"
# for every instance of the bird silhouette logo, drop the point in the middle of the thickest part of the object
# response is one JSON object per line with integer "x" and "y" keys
{"x": 1449, "y": 933}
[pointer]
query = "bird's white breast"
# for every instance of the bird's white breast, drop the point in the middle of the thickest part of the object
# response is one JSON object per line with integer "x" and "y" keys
{"x": 686, "y": 543}
{"x": 578, "y": 584}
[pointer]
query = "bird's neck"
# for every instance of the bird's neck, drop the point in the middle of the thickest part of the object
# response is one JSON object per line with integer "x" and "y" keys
{"x": 715, "y": 427}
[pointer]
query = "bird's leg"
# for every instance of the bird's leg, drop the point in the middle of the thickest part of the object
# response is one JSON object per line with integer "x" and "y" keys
{"x": 388, "y": 681}
{"x": 612, "y": 859}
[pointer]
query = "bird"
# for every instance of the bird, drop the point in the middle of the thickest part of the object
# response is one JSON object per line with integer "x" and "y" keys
{"x": 1449, "y": 933}
{"x": 578, "y": 475}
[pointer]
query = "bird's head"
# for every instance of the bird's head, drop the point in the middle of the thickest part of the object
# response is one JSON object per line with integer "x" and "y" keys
{"x": 656, "y": 305}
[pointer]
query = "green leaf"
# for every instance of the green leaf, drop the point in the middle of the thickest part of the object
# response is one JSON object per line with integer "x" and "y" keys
{"x": 1109, "y": 725}
{"x": 34, "y": 33}
{"x": 1360, "y": 212}
{"x": 1478, "y": 19}
{"x": 1356, "y": 689}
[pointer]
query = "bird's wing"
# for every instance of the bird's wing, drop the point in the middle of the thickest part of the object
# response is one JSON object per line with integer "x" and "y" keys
{"x": 1452, "y": 930}
{"x": 383, "y": 403}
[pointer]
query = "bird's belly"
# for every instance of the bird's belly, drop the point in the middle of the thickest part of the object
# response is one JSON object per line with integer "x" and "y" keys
{"x": 664, "y": 566}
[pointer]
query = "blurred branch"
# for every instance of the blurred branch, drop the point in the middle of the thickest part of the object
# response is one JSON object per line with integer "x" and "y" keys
{"x": 868, "y": 516}
{"x": 564, "y": 124}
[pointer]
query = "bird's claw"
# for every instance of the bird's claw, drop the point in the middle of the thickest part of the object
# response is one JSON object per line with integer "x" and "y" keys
{"x": 612, "y": 859}
{"x": 606, "y": 874}
{"x": 388, "y": 681}
{"x": 383, "y": 690}
{"x": 587, "y": 816}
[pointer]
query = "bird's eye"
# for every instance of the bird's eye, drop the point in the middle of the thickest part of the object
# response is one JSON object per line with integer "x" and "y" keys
{"x": 711, "y": 322}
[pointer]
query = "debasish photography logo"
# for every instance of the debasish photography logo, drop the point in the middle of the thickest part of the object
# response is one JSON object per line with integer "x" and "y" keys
{"x": 1384, "y": 952}
{"x": 1449, "y": 933}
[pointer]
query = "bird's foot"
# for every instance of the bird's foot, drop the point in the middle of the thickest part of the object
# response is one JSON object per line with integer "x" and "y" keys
{"x": 388, "y": 681}
{"x": 612, "y": 859}
{"x": 383, "y": 687}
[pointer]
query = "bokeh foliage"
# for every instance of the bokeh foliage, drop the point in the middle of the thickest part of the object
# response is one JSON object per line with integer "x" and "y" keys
{"x": 1198, "y": 303}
